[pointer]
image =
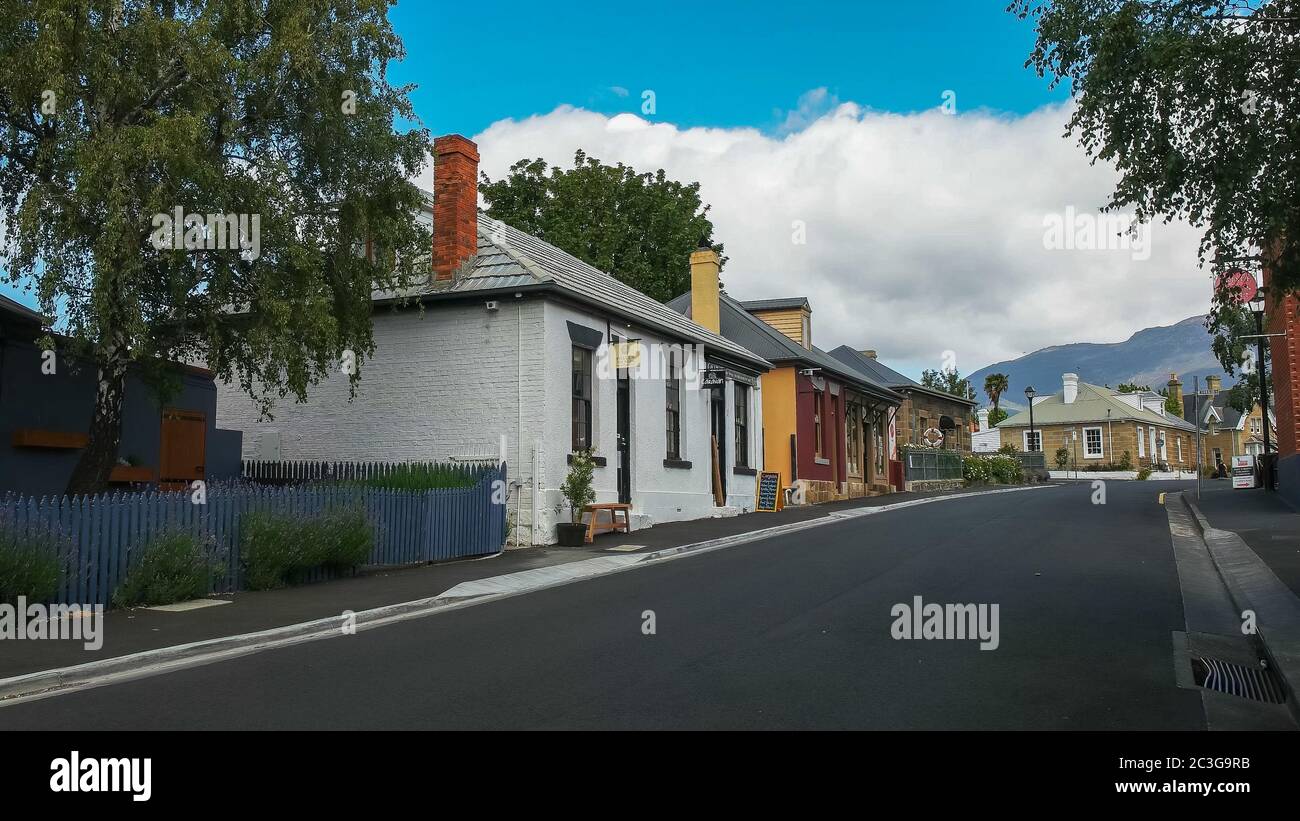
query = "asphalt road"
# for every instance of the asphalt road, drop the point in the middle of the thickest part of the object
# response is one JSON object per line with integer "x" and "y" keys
{"x": 790, "y": 632}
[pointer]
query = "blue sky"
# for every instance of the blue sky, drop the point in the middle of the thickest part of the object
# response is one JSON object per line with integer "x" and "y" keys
{"x": 919, "y": 234}
{"x": 722, "y": 64}
{"x": 714, "y": 64}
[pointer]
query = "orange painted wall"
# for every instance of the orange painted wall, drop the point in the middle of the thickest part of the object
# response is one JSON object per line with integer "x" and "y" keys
{"x": 778, "y": 420}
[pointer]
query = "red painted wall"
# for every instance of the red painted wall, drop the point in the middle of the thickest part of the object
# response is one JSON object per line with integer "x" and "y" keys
{"x": 833, "y": 411}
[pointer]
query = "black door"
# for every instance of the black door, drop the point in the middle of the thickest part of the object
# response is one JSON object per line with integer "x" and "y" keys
{"x": 718, "y": 406}
{"x": 624, "y": 441}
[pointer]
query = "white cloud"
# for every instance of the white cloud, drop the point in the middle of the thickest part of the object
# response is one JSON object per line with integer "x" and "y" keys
{"x": 924, "y": 231}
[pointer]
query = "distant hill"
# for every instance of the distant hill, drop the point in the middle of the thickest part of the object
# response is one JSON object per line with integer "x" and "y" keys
{"x": 1145, "y": 358}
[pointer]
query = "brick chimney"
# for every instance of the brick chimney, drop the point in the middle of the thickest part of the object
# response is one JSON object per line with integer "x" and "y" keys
{"x": 705, "y": 308}
{"x": 455, "y": 204}
{"x": 1212, "y": 384}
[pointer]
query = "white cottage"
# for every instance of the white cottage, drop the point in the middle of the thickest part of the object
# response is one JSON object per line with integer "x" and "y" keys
{"x": 519, "y": 338}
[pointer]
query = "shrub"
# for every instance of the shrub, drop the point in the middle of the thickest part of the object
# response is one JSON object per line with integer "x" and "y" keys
{"x": 1125, "y": 461}
{"x": 29, "y": 563}
{"x": 278, "y": 549}
{"x": 425, "y": 476}
{"x": 975, "y": 469}
{"x": 1005, "y": 469}
{"x": 1144, "y": 474}
{"x": 1062, "y": 458}
{"x": 577, "y": 489}
{"x": 173, "y": 567}
{"x": 1009, "y": 449}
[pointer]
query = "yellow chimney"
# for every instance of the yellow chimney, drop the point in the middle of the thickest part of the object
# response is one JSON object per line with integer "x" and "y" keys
{"x": 705, "y": 265}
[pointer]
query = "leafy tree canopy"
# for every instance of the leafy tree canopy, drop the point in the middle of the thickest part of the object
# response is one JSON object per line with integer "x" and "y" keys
{"x": 996, "y": 384}
{"x": 1238, "y": 354}
{"x": 1195, "y": 102}
{"x": 948, "y": 381}
{"x": 113, "y": 114}
{"x": 641, "y": 228}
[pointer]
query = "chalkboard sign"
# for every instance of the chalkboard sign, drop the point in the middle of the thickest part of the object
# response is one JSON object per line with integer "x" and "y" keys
{"x": 769, "y": 491}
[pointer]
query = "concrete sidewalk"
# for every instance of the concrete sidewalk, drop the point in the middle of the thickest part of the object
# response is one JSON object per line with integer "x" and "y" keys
{"x": 134, "y": 631}
{"x": 1263, "y": 520}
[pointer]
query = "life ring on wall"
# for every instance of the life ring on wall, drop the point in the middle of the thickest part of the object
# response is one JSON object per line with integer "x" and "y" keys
{"x": 932, "y": 438}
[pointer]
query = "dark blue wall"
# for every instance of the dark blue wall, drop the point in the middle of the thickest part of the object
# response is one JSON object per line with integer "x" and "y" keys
{"x": 64, "y": 401}
{"x": 1288, "y": 479}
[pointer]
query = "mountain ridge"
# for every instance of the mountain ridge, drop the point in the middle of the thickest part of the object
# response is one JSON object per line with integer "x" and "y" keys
{"x": 1147, "y": 357}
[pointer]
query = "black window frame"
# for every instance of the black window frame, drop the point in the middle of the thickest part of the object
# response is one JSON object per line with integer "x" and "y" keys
{"x": 740, "y": 410}
{"x": 673, "y": 410}
{"x": 819, "y": 436}
{"x": 580, "y": 375}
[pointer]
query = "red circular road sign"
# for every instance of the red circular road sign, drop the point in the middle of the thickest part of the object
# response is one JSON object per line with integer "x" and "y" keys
{"x": 1239, "y": 283}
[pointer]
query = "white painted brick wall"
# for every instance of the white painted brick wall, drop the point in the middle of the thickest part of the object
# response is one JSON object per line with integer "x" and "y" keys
{"x": 440, "y": 384}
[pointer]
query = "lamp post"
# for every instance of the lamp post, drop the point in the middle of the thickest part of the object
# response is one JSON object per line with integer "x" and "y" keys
{"x": 1257, "y": 308}
{"x": 1030, "y": 394}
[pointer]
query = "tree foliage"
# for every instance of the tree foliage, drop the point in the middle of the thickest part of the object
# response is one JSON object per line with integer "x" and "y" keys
{"x": 112, "y": 113}
{"x": 996, "y": 384}
{"x": 948, "y": 380}
{"x": 641, "y": 228}
{"x": 1195, "y": 102}
{"x": 1238, "y": 354}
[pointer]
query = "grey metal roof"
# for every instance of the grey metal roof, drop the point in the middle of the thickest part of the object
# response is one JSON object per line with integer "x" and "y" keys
{"x": 774, "y": 304}
{"x": 743, "y": 328}
{"x": 1229, "y": 416}
{"x": 509, "y": 259}
{"x": 886, "y": 375}
{"x": 1090, "y": 405}
{"x": 20, "y": 310}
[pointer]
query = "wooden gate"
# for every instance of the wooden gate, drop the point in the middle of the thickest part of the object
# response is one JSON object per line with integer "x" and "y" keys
{"x": 183, "y": 447}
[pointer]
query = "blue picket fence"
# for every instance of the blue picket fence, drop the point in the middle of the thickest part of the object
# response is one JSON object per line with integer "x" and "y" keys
{"x": 101, "y": 536}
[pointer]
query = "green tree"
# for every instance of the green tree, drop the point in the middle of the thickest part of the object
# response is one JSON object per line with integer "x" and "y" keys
{"x": 1231, "y": 326}
{"x": 1194, "y": 102}
{"x": 995, "y": 384}
{"x": 997, "y": 415}
{"x": 641, "y": 228}
{"x": 1130, "y": 387}
{"x": 1173, "y": 404}
{"x": 948, "y": 381}
{"x": 114, "y": 114}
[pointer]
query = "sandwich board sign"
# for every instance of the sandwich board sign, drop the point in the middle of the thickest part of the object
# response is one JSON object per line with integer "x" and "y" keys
{"x": 768, "y": 495}
{"x": 1243, "y": 471}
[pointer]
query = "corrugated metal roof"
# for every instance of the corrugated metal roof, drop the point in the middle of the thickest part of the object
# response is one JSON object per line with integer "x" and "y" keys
{"x": 509, "y": 258}
{"x": 775, "y": 304}
{"x": 886, "y": 375}
{"x": 18, "y": 309}
{"x": 754, "y": 334}
{"x": 1090, "y": 405}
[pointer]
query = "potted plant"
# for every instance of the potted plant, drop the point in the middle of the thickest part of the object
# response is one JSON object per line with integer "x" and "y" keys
{"x": 578, "y": 492}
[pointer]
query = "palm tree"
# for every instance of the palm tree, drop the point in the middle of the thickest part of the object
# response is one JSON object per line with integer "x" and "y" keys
{"x": 995, "y": 384}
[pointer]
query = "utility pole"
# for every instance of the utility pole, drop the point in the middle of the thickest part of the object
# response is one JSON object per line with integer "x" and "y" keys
{"x": 1196, "y": 420}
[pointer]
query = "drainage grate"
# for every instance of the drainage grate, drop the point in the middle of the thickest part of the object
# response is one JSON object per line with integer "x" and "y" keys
{"x": 1254, "y": 683}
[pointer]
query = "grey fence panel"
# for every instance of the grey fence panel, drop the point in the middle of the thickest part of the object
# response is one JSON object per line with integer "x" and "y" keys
{"x": 100, "y": 538}
{"x": 921, "y": 465}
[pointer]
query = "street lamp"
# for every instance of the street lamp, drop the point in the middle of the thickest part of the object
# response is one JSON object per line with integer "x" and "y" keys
{"x": 1257, "y": 308}
{"x": 1030, "y": 394}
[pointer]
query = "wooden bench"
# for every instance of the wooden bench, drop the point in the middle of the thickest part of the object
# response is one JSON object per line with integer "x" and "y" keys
{"x": 613, "y": 508}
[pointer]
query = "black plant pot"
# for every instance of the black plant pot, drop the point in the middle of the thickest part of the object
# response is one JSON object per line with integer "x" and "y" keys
{"x": 570, "y": 534}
